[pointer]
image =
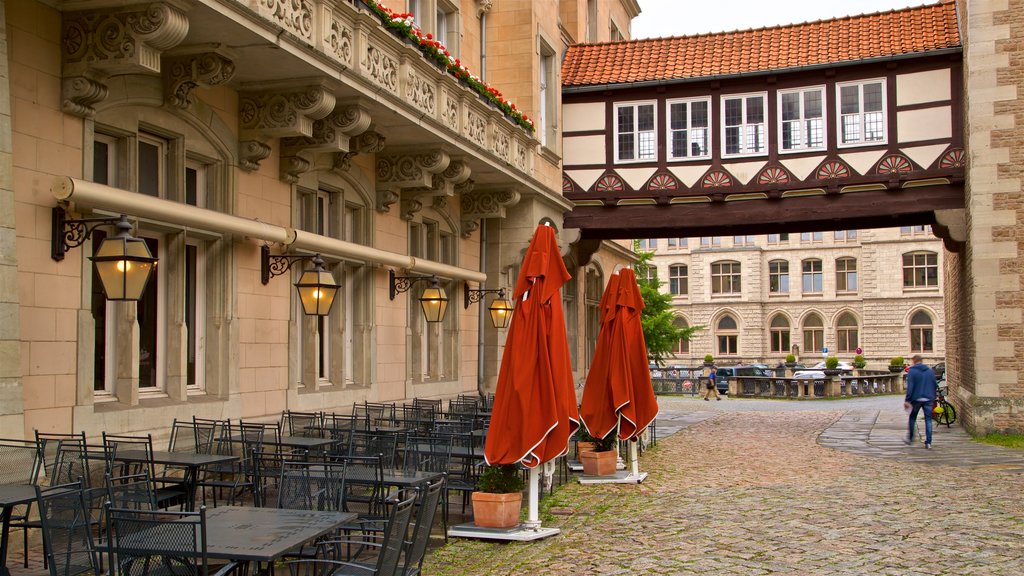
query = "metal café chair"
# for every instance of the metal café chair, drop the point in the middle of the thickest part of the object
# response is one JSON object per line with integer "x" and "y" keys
{"x": 306, "y": 424}
{"x": 20, "y": 463}
{"x": 151, "y": 542}
{"x": 267, "y": 468}
{"x": 133, "y": 492}
{"x": 67, "y": 530}
{"x": 238, "y": 476}
{"x": 426, "y": 512}
{"x": 170, "y": 490}
{"x": 207, "y": 432}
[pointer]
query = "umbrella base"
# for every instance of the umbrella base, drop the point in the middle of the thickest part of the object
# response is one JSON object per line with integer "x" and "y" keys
{"x": 577, "y": 466}
{"x": 620, "y": 477}
{"x": 518, "y": 533}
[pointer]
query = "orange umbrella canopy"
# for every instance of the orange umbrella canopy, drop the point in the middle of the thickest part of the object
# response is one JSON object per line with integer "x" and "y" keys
{"x": 534, "y": 411}
{"x": 618, "y": 388}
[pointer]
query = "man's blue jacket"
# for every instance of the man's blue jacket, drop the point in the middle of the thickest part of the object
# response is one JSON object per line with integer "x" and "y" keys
{"x": 920, "y": 383}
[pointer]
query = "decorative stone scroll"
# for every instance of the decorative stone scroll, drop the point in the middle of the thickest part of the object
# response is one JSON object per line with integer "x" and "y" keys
{"x": 420, "y": 92}
{"x": 380, "y": 67}
{"x": 295, "y": 16}
{"x": 442, "y": 186}
{"x": 81, "y": 94}
{"x": 250, "y": 153}
{"x": 479, "y": 204}
{"x": 410, "y": 170}
{"x": 476, "y": 128}
{"x": 368, "y": 142}
{"x": 187, "y": 72}
{"x": 292, "y": 167}
{"x": 284, "y": 113}
{"x": 338, "y": 40}
{"x": 330, "y": 134}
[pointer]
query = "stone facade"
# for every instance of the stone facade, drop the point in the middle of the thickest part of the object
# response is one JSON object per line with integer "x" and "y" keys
{"x": 881, "y": 306}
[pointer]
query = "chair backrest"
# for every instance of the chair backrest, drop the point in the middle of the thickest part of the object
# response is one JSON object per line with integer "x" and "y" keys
{"x": 394, "y": 539}
{"x": 133, "y": 492}
{"x": 183, "y": 437}
{"x": 270, "y": 431}
{"x": 118, "y": 444}
{"x": 266, "y": 469}
{"x": 427, "y": 454}
{"x": 364, "y": 483}
{"x": 143, "y": 542}
{"x": 70, "y": 463}
{"x": 416, "y": 549}
{"x": 20, "y": 461}
{"x": 312, "y": 486}
{"x": 307, "y": 424}
{"x": 47, "y": 442}
{"x": 373, "y": 444}
{"x": 67, "y": 532}
{"x": 207, "y": 433}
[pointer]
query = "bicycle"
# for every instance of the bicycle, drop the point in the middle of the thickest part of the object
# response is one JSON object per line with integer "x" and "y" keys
{"x": 943, "y": 412}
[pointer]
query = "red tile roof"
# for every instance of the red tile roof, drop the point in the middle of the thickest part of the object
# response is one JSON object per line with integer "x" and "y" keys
{"x": 906, "y": 31}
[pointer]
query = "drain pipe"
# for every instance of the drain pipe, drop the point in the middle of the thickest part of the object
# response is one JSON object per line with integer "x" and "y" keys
{"x": 481, "y": 316}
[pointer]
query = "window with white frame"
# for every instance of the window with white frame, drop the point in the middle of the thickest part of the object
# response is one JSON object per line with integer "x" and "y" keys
{"x": 689, "y": 134}
{"x": 847, "y": 333}
{"x": 432, "y": 344}
{"x": 862, "y": 117}
{"x": 812, "y": 276}
{"x": 725, "y": 278}
{"x": 920, "y": 270}
{"x": 614, "y": 33}
{"x": 814, "y": 333}
{"x": 801, "y": 116}
{"x": 779, "y": 333}
{"x": 548, "y": 112}
{"x": 635, "y": 136}
{"x": 677, "y": 243}
{"x": 744, "y": 125}
{"x": 744, "y": 240}
{"x": 135, "y": 352}
{"x": 845, "y": 235}
{"x": 778, "y": 277}
{"x": 710, "y": 241}
{"x": 592, "y": 21}
{"x": 678, "y": 278}
{"x": 846, "y": 275}
{"x": 921, "y": 332}
{"x": 778, "y": 238}
{"x": 812, "y": 236}
{"x": 728, "y": 336}
{"x": 915, "y": 230}
{"x": 647, "y": 244}
{"x": 314, "y": 335}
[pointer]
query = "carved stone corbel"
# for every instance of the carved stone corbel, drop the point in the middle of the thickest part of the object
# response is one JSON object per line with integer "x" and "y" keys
{"x": 250, "y": 153}
{"x": 292, "y": 167}
{"x": 285, "y": 112}
{"x": 483, "y": 6}
{"x": 411, "y": 170}
{"x": 951, "y": 226}
{"x": 186, "y": 72}
{"x": 409, "y": 208}
{"x": 98, "y": 43}
{"x": 385, "y": 198}
{"x": 477, "y": 205}
{"x": 368, "y": 142}
{"x": 330, "y": 134}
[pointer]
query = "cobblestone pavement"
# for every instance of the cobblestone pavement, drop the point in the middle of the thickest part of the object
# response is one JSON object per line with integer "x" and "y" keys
{"x": 770, "y": 487}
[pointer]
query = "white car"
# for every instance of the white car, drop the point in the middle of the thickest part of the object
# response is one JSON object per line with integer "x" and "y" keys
{"x": 809, "y": 374}
{"x": 844, "y": 366}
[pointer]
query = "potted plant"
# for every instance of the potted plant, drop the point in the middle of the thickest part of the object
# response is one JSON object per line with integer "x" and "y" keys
{"x": 832, "y": 366}
{"x": 498, "y": 497}
{"x": 600, "y": 460}
{"x": 858, "y": 362}
{"x": 790, "y": 361}
{"x": 709, "y": 360}
{"x": 896, "y": 364}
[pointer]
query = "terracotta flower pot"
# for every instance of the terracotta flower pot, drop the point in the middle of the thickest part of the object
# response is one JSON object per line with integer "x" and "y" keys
{"x": 496, "y": 510}
{"x": 582, "y": 447}
{"x": 599, "y": 463}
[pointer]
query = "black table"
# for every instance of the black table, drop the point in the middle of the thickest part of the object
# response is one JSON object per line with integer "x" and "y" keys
{"x": 265, "y": 534}
{"x": 304, "y": 442}
{"x": 11, "y": 495}
{"x": 402, "y": 479}
{"x": 191, "y": 462}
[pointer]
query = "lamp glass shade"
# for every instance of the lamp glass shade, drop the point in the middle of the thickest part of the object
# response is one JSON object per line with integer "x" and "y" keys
{"x": 434, "y": 302}
{"x": 501, "y": 312}
{"x": 317, "y": 289}
{"x": 124, "y": 265}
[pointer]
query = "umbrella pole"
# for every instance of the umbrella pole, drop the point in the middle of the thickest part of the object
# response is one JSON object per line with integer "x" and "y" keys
{"x": 533, "y": 516}
{"x": 634, "y": 462}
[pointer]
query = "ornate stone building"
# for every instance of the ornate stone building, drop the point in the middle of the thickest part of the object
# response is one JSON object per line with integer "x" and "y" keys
{"x": 231, "y": 132}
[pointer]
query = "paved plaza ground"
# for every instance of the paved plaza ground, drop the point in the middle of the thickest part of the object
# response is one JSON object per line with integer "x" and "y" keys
{"x": 781, "y": 487}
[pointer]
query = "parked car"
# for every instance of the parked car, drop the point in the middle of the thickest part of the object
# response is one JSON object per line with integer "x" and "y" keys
{"x": 809, "y": 374}
{"x": 940, "y": 371}
{"x": 844, "y": 366}
{"x": 725, "y": 373}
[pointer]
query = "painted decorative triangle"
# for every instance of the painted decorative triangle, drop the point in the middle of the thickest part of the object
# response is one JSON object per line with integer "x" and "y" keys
{"x": 745, "y": 171}
{"x": 801, "y": 168}
{"x": 862, "y": 162}
{"x": 925, "y": 156}
{"x": 584, "y": 178}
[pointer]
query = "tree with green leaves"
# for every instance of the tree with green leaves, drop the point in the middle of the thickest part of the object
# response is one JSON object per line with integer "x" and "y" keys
{"x": 659, "y": 322}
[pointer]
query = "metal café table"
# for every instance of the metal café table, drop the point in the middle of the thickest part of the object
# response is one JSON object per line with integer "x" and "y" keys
{"x": 191, "y": 462}
{"x": 310, "y": 444}
{"x": 11, "y": 495}
{"x": 243, "y": 533}
{"x": 403, "y": 479}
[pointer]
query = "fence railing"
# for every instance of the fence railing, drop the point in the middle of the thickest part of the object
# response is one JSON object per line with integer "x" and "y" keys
{"x": 860, "y": 384}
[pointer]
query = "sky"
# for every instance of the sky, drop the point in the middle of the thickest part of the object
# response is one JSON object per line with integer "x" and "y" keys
{"x": 685, "y": 17}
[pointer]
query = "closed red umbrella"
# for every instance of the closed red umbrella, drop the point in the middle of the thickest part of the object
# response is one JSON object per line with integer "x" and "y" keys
{"x": 534, "y": 411}
{"x": 618, "y": 388}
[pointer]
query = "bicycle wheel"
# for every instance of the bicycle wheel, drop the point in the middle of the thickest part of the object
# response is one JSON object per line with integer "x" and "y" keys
{"x": 948, "y": 414}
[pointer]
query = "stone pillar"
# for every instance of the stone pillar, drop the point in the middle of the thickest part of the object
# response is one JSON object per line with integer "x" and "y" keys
{"x": 12, "y": 421}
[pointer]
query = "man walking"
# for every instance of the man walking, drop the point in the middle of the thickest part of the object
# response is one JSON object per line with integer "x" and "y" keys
{"x": 920, "y": 395}
{"x": 712, "y": 388}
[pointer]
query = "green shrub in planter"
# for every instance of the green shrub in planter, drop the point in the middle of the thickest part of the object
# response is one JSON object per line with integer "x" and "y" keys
{"x": 896, "y": 361}
{"x": 503, "y": 479}
{"x": 831, "y": 363}
{"x": 790, "y": 359}
{"x": 858, "y": 362}
{"x": 708, "y": 359}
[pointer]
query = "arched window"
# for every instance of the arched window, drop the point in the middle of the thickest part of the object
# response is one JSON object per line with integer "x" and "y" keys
{"x": 728, "y": 336}
{"x": 779, "y": 334}
{"x": 846, "y": 333}
{"x": 846, "y": 275}
{"x": 683, "y": 346}
{"x": 812, "y": 277}
{"x": 814, "y": 333}
{"x": 921, "y": 332}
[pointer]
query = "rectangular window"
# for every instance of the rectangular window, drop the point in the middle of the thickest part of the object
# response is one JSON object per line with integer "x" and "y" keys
{"x": 780, "y": 339}
{"x": 845, "y": 235}
{"x": 710, "y": 241}
{"x": 743, "y": 118}
{"x": 149, "y": 315}
{"x": 635, "y": 137}
{"x": 814, "y": 339}
{"x": 920, "y": 270}
{"x": 548, "y": 95}
{"x": 812, "y": 277}
{"x": 728, "y": 344}
{"x": 151, "y": 166}
{"x": 647, "y": 244}
{"x": 812, "y": 236}
{"x": 778, "y": 277}
{"x": 802, "y": 119}
{"x": 915, "y": 230}
{"x": 677, "y": 280}
{"x": 725, "y": 278}
{"x": 195, "y": 314}
{"x": 778, "y": 238}
{"x": 195, "y": 183}
{"x": 846, "y": 275}
{"x": 688, "y": 129}
{"x": 744, "y": 240}
{"x": 862, "y": 118}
